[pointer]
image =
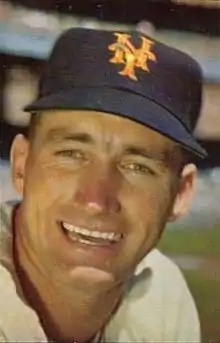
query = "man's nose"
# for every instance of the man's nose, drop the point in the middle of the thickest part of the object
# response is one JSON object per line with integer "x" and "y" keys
{"x": 98, "y": 191}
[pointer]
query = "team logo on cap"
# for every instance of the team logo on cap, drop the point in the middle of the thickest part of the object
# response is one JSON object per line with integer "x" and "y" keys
{"x": 125, "y": 53}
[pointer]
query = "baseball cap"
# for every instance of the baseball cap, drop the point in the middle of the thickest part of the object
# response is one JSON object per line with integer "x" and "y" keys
{"x": 124, "y": 73}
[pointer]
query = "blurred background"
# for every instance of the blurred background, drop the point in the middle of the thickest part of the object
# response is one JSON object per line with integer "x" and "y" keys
{"x": 28, "y": 29}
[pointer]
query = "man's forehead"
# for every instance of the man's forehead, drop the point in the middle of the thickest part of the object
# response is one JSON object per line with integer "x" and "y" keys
{"x": 94, "y": 124}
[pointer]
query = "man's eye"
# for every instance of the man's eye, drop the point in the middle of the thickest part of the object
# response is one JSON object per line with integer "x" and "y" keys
{"x": 138, "y": 168}
{"x": 71, "y": 153}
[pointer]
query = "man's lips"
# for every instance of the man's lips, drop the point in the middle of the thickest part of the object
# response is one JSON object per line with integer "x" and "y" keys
{"x": 90, "y": 236}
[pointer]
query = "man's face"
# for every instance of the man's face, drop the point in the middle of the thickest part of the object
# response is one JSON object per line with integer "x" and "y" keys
{"x": 97, "y": 191}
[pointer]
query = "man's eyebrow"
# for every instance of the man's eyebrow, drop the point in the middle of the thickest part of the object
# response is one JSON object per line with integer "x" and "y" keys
{"x": 63, "y": 134}
{"x": 144, "y": 152}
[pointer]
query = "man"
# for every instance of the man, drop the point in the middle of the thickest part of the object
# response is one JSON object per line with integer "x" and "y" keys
{"x": 106, "y": 164}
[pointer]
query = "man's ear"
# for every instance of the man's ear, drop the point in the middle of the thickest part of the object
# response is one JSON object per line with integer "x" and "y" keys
{"x": 185, "y": 192}
{"x": 18, "y": 157}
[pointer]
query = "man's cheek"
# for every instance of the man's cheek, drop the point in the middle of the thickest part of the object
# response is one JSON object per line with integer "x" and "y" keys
{"x": 46, "y": 183}
{"x": 150, "y": 219}
{"x": 145, "y": 207}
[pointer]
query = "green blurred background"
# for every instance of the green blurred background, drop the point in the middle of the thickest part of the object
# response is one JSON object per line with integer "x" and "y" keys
{"x": 197, "y": 252}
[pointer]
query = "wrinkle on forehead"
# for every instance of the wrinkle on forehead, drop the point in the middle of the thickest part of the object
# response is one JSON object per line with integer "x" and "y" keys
{"x": 106, "y": 130}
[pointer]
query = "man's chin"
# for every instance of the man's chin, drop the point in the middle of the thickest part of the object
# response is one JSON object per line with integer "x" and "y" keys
{"x": 92, "y": 277}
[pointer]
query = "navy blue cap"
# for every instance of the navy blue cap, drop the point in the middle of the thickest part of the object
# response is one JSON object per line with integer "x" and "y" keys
{"x": 127, "y": 74}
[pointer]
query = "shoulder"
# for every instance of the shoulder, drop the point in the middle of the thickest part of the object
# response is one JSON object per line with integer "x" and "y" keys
{"x": 15, "y": 313}
{"x": 9, "y": 299}
{"x": 158, "y": 305}
{"x": 18, "y": 322}
{"x": 163, "y": 274}
{"x": 164, "y": 269}
{"x": 163, "y": 281}
{"x": 7, "y": 303}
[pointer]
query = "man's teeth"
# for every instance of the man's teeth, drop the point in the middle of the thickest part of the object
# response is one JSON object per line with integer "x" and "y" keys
{"x": 111, "y": 236}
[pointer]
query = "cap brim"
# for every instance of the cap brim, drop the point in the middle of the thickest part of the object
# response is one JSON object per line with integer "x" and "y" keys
{"x": 123, "y": 103}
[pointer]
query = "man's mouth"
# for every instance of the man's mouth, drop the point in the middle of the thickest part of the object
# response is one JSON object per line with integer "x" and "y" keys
{"x": 90, "y": 237}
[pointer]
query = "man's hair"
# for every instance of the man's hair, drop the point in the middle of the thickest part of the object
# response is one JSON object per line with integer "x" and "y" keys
{"x": 184, "y": 157}
{"x": 34, "y": 123}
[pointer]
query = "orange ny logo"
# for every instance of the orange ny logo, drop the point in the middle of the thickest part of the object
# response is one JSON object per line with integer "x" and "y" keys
{"x": 127, "y": 54}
